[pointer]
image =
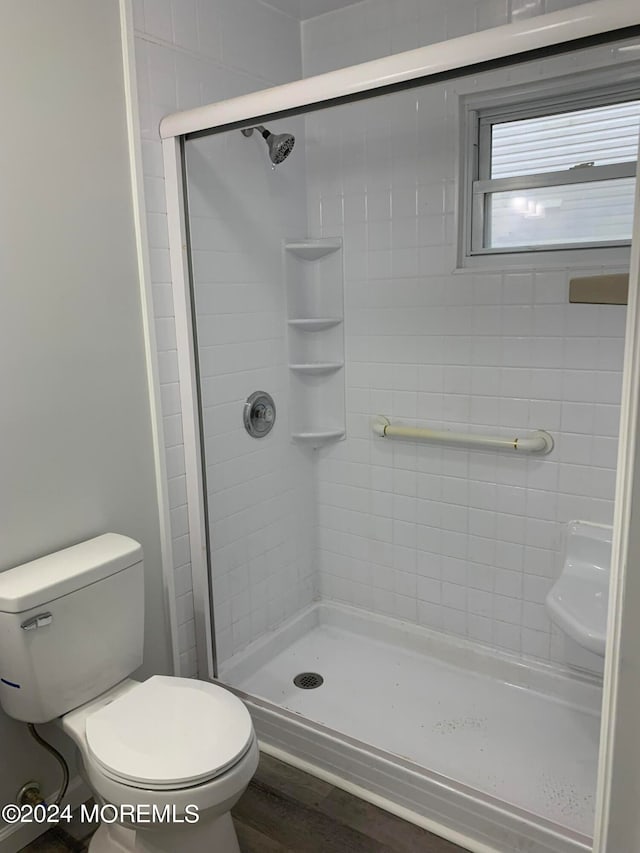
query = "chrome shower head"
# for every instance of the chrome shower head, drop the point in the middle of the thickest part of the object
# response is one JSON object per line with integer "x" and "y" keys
{"x": 280, "y": 145}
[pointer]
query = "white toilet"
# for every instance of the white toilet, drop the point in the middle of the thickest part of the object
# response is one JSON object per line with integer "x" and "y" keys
{"x": 71, "y": 632}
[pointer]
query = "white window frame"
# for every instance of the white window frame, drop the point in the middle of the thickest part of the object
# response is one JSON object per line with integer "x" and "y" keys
{"x": 479, "y": 112}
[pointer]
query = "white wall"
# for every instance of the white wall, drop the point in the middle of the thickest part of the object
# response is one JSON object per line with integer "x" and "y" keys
{"x": 468, "y": 542}
{"x": 196, "y": 52}
{"x": 75, "y": 418}
{"x": 192, "y": 52}
{"x": 261, "y": 491}
{"x": 373, "y": 28}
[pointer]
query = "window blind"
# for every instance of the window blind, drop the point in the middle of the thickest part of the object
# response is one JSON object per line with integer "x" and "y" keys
{"x": 548, "y": 143}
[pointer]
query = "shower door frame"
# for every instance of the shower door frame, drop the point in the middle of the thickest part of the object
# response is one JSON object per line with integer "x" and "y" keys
{"x": 417, "y": 67}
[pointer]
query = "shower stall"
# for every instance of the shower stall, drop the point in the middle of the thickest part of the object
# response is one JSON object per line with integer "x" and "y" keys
{"x": 392, "y": 414}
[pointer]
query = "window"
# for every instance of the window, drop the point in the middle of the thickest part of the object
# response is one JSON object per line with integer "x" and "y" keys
{"x": 552, "y": 175}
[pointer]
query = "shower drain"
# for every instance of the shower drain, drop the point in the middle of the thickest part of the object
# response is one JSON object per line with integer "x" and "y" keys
{"x": 308, "y": 680}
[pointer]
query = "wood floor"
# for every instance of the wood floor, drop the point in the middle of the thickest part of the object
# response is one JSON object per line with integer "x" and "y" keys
{"x": 287, "y": 811}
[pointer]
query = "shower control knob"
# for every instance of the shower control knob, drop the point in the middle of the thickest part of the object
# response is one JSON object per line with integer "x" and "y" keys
{"x": 259, "y": 414}
{"x": 265, "y": 413}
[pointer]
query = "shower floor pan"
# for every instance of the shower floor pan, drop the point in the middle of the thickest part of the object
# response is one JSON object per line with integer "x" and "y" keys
{"x": 489, "y": 751}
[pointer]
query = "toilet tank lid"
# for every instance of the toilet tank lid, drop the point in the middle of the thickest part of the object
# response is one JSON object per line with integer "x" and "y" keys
{"x": 47, "y": 578}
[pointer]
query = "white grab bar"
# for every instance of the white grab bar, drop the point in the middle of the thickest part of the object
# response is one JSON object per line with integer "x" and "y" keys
{"x": 538, "y": 442}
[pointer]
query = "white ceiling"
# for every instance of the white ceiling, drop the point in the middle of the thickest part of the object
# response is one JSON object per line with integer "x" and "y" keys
{"x": 303, "y": 9}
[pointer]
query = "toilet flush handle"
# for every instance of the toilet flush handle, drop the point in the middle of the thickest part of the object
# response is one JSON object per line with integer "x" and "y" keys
{"x": 38, "y": 621}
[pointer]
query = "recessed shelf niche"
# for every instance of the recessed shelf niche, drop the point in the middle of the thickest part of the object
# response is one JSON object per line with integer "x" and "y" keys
{"x": 315, "y": 316}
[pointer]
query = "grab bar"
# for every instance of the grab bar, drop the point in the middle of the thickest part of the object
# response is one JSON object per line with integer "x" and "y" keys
{"x": 538, "y": 442}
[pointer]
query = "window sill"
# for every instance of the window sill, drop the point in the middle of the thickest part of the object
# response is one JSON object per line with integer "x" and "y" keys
{"x": 574, "y": 259}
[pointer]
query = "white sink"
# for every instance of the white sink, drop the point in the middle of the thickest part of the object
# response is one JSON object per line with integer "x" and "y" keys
{"x": 578, "y": 601}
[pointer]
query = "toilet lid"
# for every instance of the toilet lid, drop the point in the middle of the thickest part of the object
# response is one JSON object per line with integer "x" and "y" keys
{"x": 169, "y": 733}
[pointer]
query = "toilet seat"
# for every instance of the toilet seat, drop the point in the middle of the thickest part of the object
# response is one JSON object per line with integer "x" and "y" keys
{"x": 169, "y": 733}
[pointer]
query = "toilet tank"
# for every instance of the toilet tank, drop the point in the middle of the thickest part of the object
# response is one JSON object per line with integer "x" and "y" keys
{"x": 71, "y": 626}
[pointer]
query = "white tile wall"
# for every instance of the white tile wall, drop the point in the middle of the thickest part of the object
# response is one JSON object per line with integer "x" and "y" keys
{"x": 188, "y": 53}
{"x": 261, "y": 491}
{"x": 375, "y": 28}
{"x": 467, "y": 542}
{"x": 464, "y": 541}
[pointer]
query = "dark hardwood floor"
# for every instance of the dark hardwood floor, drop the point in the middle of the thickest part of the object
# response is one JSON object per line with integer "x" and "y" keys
{"x": 287, "y": 811}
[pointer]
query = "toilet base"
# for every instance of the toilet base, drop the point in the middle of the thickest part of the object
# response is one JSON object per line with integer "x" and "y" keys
{"x": 218, "y": 835}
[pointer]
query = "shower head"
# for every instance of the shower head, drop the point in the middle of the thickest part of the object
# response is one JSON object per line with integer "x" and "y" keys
{"x": 280, "y": 145}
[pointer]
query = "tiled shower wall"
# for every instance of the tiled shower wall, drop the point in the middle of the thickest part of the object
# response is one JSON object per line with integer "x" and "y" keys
{"x": 465, "y": 541}
{"x": 261, "y": 496}
{"x": 189, "y": 53}
{"x": 374, "y": 28}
